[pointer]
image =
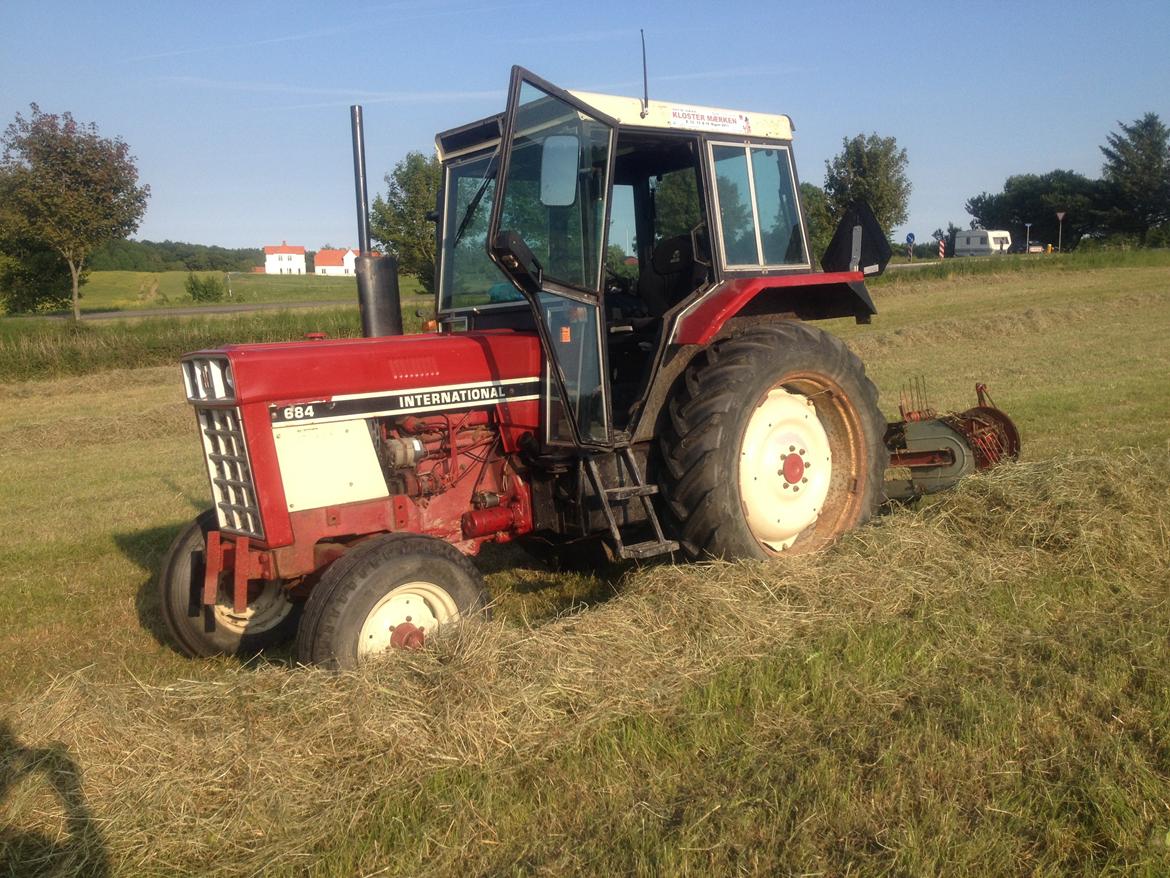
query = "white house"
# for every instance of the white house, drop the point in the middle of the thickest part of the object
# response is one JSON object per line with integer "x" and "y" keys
{"x": 334, "y": 262}
{"x": 284, "y": 259}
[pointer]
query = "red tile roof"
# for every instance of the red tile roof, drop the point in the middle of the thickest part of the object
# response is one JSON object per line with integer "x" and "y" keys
{"x": 295, "y": 249}
{"x": 329, "y": 258}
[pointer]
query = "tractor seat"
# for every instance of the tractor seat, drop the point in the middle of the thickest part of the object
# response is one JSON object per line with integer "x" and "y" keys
{"x": 670, "y": 276}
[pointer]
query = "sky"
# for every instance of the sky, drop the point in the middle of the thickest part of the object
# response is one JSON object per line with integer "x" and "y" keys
{"x": 238, "y": 112}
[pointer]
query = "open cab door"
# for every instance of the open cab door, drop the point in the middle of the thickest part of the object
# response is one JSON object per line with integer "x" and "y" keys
{"x": 548, "y": 234}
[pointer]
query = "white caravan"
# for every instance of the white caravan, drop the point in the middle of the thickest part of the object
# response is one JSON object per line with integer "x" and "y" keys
{"x": 981, "y": 242}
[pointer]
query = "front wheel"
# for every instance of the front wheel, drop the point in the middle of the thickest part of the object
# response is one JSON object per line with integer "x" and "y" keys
{"x": 393, "y": 591}
{"x": 199, "y": 630}
{"x": 774, "y": 443}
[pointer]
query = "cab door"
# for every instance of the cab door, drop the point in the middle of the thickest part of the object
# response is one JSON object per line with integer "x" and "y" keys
{"x": 548, "y": 234}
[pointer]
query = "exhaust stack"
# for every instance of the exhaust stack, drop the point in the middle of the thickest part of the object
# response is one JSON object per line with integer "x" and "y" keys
{"x": 379, "y": 300}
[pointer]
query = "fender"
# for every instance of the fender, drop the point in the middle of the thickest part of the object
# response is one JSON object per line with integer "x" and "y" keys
{"x": 813, "y": 296}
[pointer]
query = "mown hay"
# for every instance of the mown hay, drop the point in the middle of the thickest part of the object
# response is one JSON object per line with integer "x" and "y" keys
{"x": 267, "y": 764}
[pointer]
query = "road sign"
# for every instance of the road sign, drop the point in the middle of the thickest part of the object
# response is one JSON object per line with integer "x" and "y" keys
{"x": 909, "y": 237}
{"x": 1060, "y": 216}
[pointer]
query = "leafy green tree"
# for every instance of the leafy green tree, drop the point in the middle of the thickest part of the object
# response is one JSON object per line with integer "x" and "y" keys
{"x": 32, "y": 276}
{"x": 70, "y": 189}
{"x": 820, "y": 221}
{"x": 676, "y": 204}
{"x": 1136, "y": 176}
{"x": 1036, "y": 199}
{"x": 872, "y": 169}
{"x": 615, "y": 263}
{"x": 399, "y": 221}
{"x": 208, "y": 288}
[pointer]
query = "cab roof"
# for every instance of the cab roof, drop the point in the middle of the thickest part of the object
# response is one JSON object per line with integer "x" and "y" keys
{"x": 628, "y": 111}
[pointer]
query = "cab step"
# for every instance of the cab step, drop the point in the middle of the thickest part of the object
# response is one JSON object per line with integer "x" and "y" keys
{"x": 637, "y": 487}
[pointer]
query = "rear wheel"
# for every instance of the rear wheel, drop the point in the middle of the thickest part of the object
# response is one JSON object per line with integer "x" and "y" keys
{"x": 199, "y": 630}
{"x": 389, "y": 592}
{"x": 774, "y": 444}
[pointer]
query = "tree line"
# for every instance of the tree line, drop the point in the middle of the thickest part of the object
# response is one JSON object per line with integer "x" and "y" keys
{"x": 126, "y": 255}
{"x": 1129, "y": 205}
{"x": 70, "y": 198}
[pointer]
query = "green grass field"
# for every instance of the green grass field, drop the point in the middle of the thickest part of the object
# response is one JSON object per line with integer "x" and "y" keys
{"x": 147, "y": 290}
{"x": 980, "y": 686}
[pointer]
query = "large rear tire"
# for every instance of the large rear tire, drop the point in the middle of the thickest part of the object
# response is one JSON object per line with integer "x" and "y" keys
{"x": 391, "y": 591}
{"x": 773, "y": 443}
{"x": 200, "y": 631}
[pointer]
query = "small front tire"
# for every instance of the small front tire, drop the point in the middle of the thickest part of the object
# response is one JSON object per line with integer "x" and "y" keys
{"x": 200, "y": 631}
{"x": 396, "y": 590}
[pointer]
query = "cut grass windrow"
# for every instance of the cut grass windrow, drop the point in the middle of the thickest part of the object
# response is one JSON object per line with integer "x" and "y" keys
{"x": 980, "y": 686}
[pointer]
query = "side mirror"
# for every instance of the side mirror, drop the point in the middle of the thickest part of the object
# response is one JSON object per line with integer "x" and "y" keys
{"x": 559, "y": 161}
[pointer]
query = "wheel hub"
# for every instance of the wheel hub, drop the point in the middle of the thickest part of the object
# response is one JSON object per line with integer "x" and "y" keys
{"x": 785, "y": 467}
{"x": 793, "y": 469}
{"x": 267, "y": 606}
{"x": 405, "y": 617}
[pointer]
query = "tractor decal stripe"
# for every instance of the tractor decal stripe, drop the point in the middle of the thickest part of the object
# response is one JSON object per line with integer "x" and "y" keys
{"x": 403, "y": 402}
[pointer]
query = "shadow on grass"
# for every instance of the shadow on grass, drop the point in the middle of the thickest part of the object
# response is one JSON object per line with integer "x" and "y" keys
{"x": 80, "y": 849}
{"x": 146, "y": 549}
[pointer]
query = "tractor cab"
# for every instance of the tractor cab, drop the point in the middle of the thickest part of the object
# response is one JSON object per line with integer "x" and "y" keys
{"x": 601, "y": 222}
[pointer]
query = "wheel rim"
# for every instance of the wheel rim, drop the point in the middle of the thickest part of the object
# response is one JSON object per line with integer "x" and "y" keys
{"x": 264, "y": 611}
{"x": 785, "y": 468}
{"x": 414, "y": 609}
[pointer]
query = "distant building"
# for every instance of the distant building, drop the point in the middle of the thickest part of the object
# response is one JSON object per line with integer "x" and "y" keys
{"x": 284, "y": 259}
{"x": 334, "y": 262}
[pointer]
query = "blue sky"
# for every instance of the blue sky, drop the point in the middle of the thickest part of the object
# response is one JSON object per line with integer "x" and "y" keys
{"x": 238, "y": 112}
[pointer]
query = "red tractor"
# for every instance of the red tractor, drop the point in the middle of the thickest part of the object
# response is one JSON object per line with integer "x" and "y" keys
{"x": 674, "y": 398}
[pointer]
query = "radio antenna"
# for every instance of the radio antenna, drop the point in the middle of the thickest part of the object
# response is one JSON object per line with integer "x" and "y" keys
{"x": 645, "y": 81}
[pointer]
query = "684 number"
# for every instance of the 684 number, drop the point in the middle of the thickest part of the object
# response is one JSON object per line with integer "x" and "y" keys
{"x": 296, "y": 412}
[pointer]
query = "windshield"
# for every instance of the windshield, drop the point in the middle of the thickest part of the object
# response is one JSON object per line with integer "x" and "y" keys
{"x": 468, "y": 278}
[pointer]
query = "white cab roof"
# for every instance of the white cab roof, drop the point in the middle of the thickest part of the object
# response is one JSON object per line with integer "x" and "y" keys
{"x": 688, "y": 117}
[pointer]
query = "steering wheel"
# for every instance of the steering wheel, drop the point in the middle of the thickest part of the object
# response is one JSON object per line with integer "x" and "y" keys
{"x": 616, "y": 283}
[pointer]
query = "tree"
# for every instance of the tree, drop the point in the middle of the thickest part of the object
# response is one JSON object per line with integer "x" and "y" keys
{"x": 32, "y": 277}
{"x": 820, "y": 221}
{"x": 872, "y": 169}
{"x": 676, "y": 204}
{"x": 206, "y": 288}
{"x": 1137, "y": 176}
{"x": 71, "y": 189}
{"x": 1036, "y": 199}
{"x": 399, "y": 222}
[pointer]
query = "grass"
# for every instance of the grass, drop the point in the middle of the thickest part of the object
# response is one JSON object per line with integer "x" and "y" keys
{"x": 146, "y": 290}
{"x": 48, "y": 348}
{"x": 976, "y": 687}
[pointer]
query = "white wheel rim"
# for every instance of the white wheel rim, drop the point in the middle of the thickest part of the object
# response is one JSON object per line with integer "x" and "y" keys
{"x": 421, "y": 604}
{"x": 263, "y": 612}
{"x": 785, "y": 467}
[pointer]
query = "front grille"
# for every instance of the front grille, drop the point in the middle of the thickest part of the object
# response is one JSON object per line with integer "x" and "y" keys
{"x": 230, "y": 471}
{"x": 209, "y": 378}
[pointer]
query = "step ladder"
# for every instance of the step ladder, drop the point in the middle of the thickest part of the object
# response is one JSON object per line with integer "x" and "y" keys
{"x": 637, "y": 487}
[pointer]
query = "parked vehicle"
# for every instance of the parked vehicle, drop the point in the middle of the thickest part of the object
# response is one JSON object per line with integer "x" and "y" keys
{"x": 982, "y": 242}
{"x": 693, "y": 410}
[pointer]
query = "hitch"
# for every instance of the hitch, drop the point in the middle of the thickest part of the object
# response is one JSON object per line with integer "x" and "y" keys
{"x": 940, "y": 450}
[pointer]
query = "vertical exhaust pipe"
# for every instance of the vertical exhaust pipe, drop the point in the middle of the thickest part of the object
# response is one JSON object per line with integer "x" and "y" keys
{"x": 379, "y": 300}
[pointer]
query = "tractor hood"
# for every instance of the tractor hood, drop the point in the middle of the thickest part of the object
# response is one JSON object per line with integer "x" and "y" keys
{"x": 325, "y": 371}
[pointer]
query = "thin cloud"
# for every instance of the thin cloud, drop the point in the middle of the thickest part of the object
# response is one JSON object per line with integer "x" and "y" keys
{"x": 251, "y": 44}
{"x": 727, "y": 73}
{"x": 345, "y": 95}
{"x": 413, "y": 12}
{"x": 595, "y": 36}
